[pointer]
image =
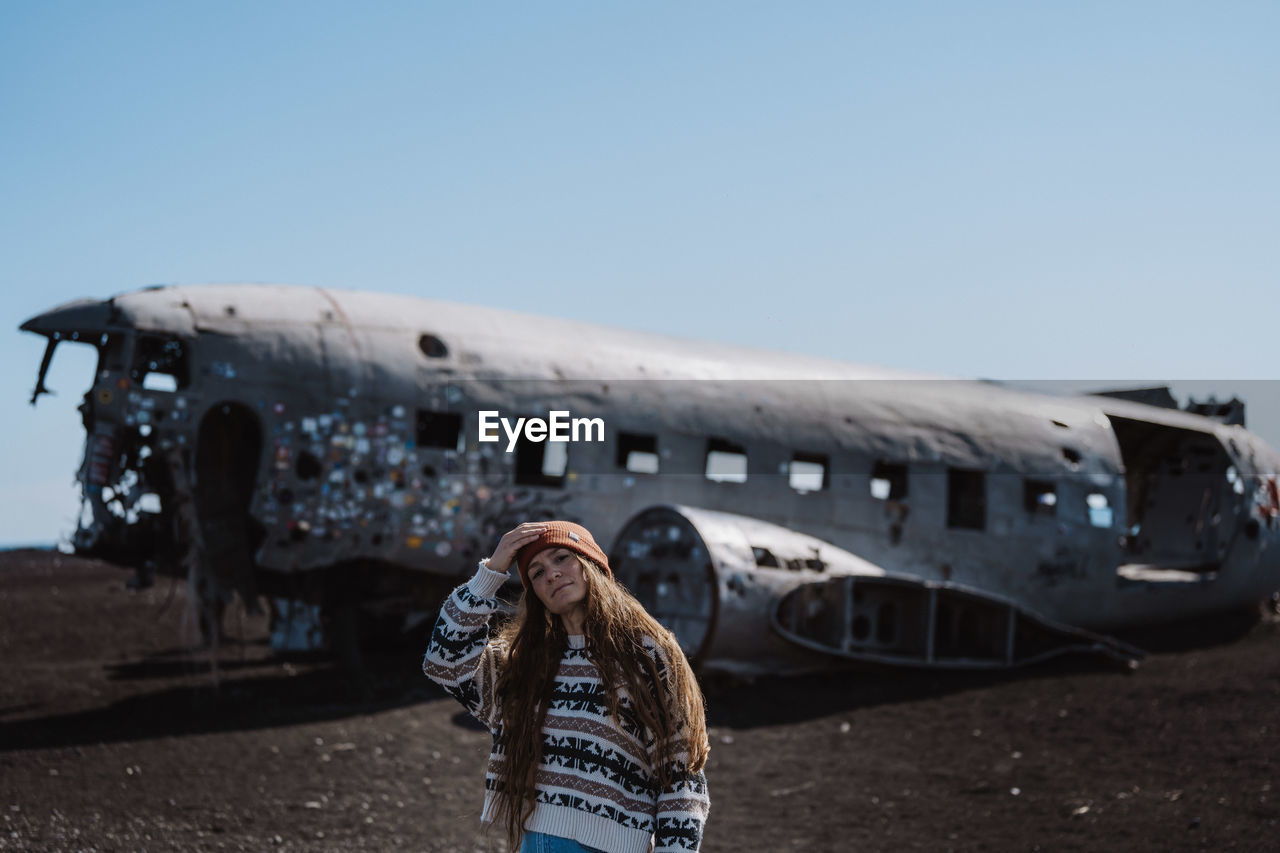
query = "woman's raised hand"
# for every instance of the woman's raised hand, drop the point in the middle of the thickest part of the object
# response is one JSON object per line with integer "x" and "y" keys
{"x": 512, "y": 541}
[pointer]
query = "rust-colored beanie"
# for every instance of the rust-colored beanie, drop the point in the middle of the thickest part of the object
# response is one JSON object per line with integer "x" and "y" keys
{"x": 561, "y": 534}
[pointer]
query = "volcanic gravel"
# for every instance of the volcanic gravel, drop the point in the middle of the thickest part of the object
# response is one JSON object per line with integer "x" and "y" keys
{"x": 119, "y": 732}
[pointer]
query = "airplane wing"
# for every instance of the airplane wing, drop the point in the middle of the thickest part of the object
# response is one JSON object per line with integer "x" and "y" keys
{"x": 748, "y": 597}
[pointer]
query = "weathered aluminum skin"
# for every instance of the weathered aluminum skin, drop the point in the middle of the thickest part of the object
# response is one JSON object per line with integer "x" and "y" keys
{"x": 746, "y": 597}
{"x": 700, "y": 572}
{"x": 331, "y": 384}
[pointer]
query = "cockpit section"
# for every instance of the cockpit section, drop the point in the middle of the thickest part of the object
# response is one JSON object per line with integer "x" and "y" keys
{"x": 134, "y": 397}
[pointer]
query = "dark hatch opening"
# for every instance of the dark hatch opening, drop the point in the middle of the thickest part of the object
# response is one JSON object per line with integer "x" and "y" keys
{"x": 1176, "y": 483}
{"x": 226, "y": 465}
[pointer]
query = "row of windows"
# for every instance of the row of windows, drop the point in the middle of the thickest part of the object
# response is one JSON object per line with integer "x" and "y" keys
{"x": 546, "y": 463}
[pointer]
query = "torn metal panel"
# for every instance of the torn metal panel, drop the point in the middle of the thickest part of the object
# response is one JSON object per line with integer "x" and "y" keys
{"x": 81, "y": 321}
{"x": 900, "y": 621}
{"x": 746, "y": 597}
{"x": 714, "y": 579}
{"x": 85, "y": 317}
{"x": 1224, "y": 411}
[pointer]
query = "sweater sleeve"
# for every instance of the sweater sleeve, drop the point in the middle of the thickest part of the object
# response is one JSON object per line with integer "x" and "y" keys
{"x": 458, "y": 656}
{"x": 684, "y": 803}
{"x": 682, "y": 812}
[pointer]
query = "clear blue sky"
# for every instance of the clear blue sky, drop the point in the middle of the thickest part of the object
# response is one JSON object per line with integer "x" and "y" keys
{"x": 1017, "y": 190}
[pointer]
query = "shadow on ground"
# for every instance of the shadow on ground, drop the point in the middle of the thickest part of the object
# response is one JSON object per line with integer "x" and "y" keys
{"x": 253, "y": 689}
{"x": 1214, "y": 629}
{"x": 773, "y": 701}
{"x": 248, "y": 695}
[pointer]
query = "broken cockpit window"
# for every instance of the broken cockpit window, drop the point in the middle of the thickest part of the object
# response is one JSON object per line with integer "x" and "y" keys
{"x": 160, "y": 363}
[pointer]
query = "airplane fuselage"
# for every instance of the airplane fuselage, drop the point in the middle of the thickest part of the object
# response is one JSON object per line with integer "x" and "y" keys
{"x": 313, "y": 429}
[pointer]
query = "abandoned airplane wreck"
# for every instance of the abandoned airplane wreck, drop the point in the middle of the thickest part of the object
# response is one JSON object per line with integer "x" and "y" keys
{"x": 328, "y": 450}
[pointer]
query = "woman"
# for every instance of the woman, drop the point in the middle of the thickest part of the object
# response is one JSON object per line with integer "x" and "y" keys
{"x": 599, "y": 736}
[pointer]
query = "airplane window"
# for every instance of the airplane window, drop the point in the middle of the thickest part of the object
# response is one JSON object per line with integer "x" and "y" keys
{"x": 1040, "y": 497}
{"x": 966, "y": 499}
{"x": 555, "y": 460}
{"x": 541, "y": 463}
{"x": 726, "y": 462}
{"x": 438, "y": 429}
{"x": 1100, "y": 514}
{"x": 888, "y": 481}
{"x": 642, "y": 463}
{"x": 808, "y": 472}
{"x": 638, "y": 453}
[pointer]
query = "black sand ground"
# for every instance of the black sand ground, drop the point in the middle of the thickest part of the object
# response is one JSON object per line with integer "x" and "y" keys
{"x": 114, "y": 737}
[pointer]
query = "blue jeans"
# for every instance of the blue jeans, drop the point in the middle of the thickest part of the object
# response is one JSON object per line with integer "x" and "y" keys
{"x": 540, "y": 842}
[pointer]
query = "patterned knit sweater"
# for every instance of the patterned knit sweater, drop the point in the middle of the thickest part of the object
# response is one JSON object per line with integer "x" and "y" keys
{"x": 594, "y": 783}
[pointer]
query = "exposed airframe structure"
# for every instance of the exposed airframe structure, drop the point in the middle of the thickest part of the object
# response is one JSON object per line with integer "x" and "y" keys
{"x": 779, "y": 513}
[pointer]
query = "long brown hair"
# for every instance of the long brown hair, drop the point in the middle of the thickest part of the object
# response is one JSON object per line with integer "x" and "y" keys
{"x": 668, "y": 703}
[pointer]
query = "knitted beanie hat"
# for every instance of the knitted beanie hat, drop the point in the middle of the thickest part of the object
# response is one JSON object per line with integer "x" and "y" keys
{"x": 561, "y": 534}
